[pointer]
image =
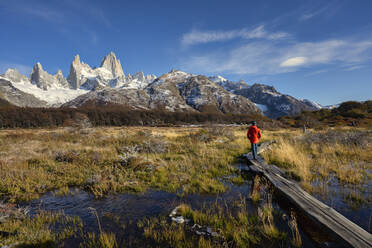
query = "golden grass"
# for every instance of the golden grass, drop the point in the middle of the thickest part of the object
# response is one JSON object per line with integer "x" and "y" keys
{"x": 311, "y": 161}
{"x": 232, "y": 226}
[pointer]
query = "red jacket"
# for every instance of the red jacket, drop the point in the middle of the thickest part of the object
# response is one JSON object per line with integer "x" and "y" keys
{"x": 254, "y": 134}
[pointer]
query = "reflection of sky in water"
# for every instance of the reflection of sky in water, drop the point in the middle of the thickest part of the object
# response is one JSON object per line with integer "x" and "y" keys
{"x": 338, "y": 195}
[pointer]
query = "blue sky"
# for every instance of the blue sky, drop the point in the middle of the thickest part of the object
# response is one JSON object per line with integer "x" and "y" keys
{"x": 320, "y": 50}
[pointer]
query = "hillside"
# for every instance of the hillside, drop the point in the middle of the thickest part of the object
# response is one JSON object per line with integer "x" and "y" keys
{"x": 351, "y": 113}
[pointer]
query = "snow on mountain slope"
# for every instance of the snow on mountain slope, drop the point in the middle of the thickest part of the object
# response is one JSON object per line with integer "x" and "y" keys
{"x": 17, "y": 97}
{"x": 262, "y": 107}
{"x": 164, "y": 91}
{"x": 312, "y": 103}
{"x": 227, "y": 84}
{"x": 54, "y": 96}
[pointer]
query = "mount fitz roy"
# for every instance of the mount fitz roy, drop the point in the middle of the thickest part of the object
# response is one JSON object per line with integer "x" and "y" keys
{"x": 173, "y": 91}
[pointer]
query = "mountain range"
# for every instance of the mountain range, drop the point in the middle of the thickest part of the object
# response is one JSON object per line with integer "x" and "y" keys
{"x": 172, "y": 91}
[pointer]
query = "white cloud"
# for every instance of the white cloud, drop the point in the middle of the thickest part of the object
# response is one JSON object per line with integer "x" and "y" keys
{"x": 196, "y": 36}
{"x": 296, "y": 61}
{"x": 264, "y": 57}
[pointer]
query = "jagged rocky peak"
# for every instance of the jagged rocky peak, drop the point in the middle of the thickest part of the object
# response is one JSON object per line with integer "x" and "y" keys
{"x": 44, "y": 80}
{"x": 36, "y": 73}
{"x": 140, "y": 76}
{"x": 37, "y": 76}
{"x": 75, "y": 73}
{"x": 61, "y": 79}
{"x": 59, "y": 73}
{"x": 76, "y": 60}
{"x": 15, "y": 76}
{"x": 111, "y": 63}
{"x": 264, "y": 87}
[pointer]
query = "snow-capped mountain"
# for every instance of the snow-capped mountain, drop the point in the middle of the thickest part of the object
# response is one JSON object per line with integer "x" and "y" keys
{"x": 55, "y": 90}
{"x": 274, "y": 103}
{"x": 173, "y": 91}
{"x": 267, "y": 98}
{"x": 109, "y": 74}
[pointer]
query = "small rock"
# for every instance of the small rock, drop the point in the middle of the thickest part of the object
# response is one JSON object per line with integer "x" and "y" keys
{"x": 178, "y": 219}
{"x": 200, "y": 233}
{"x": 174, "y": 211}
{"x": 196, "y": 226}
{"x": 285, "y": 217}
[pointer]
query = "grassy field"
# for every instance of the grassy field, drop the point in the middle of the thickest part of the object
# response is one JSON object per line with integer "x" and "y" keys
{"x": 182, "y": 160}
{"x": 102, "y": 160}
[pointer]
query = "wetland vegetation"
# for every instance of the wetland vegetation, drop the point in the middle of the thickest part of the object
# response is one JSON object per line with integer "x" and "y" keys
{"x": 184, "y": 161}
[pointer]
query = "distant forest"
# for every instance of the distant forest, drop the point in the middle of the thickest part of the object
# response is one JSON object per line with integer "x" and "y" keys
{"x": 17, "y": 117}
{"x": 348, "y": 113}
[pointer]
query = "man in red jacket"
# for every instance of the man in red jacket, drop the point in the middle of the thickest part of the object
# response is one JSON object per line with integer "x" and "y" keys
{"x": 254, "y": 134}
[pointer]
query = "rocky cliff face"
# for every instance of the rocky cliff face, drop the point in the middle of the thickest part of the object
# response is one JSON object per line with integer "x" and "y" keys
{"x": 113, "y": 65}
{"x": 75, "y": 73}
{"x": 204, "y": 95}
{"x": 275, "y": 103}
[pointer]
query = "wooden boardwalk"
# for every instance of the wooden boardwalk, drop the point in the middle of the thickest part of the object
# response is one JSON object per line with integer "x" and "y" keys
{"x": 327, "y": 217}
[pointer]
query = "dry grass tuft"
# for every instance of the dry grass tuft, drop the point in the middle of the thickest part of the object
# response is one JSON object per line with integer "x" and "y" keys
{"x": 346, "y": 154}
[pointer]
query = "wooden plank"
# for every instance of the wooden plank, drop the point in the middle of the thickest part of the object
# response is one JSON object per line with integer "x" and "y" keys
{"x": 329, "y": 218}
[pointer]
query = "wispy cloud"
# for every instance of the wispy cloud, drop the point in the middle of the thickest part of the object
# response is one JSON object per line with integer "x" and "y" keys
{"x": 263, "y": 58}
{"x": 23, "y": 69}
{"x": 43, "y": 12}
{"x": 309, "y": 15}
{"x": 197, "y": 36}
{"x": 32, "y": 9}
{"x": 326, "y": 8}
{"x": 87, "y": 7}
{"x": 317, "y": 72}
{"x": 353, "y": 68}
{"x": 329, "y": 7}
{"x": 68, "y": 14}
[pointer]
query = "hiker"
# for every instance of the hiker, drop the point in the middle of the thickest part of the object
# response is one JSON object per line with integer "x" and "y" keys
{"x": 254, "y": 134}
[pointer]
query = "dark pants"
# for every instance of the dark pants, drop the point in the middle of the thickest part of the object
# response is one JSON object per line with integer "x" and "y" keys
{"x": 254, "y": 150}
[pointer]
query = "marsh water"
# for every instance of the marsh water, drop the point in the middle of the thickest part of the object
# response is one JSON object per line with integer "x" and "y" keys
{"x": 352, "y": 201}
{"x": 118, "y": 210}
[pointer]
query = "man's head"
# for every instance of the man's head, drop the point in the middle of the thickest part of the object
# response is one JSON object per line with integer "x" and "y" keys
{"x": 254, "y": 123}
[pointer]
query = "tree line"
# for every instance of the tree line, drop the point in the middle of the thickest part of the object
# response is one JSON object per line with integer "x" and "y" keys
{"x": 18, "y": 117}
